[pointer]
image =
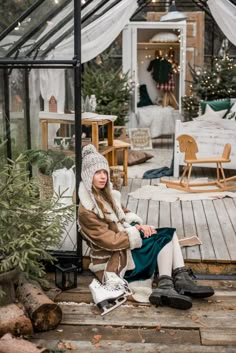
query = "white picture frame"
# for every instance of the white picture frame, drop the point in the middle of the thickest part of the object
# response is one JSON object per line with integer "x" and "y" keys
{"x": 140, "y": 139}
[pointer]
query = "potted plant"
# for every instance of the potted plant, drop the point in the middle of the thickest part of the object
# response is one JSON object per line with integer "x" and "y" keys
{"x": 47, "y": 162}
{"x": 28, "y": 226}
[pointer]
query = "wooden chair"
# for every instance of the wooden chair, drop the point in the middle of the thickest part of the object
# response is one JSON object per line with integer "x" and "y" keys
{"x": 188, "y": 145}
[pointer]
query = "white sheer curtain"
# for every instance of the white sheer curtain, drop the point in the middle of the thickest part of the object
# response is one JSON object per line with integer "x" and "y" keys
{"x": 52, "y": 83}
{"x": 98, "y": 35}
{"x": 224, "y": 13}
{"x": 95, "y": 38}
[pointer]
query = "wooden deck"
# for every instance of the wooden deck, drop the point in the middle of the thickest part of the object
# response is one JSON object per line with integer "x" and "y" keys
{"x": 208, "y": 327}
{"x": 213, "y": 221}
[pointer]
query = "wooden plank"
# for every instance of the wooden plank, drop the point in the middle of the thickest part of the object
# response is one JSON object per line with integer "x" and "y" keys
{"x": 116, "y": 346}
{"x": 142, "y": 209}
{"x": 193, "y": 252}
{"x": 226, "y": 227}
{"x": 127, "y": 334}
{"x": 124, "y": 193}
{"x": 206, "y": 249}
{"x": 231, "y": 210}
{"x": 177, "y": 221}
{"x": 224, "y": 337}
{"x": 132, "y": 203}
{"x": 153, "y": 213}
{"x": 164, "y": 214}
{"x": 225, "y": 292}
{"x": 145, "y": 316}
{"x": 217, "y": 238}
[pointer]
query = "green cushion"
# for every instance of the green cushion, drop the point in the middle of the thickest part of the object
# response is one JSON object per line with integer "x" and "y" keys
{"x": 216, "y": 105}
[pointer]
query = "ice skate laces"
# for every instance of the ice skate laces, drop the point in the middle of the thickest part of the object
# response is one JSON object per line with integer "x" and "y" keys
{"x": 118, "y": 285}
{"x": 113, "y": 285}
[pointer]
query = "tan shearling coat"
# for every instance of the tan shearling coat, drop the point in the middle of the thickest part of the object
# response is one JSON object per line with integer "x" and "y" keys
{"x": 110, "y": 237}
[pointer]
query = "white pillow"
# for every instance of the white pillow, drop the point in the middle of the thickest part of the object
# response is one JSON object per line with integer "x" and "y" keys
{"x": 211, "y": 114}
{"x": 164, "y": 37}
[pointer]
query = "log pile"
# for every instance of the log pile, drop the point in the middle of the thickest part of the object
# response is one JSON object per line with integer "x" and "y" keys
{"x": 34, "y": 312}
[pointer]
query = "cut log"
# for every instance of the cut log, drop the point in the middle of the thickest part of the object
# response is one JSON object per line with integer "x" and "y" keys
{"x": 10, "y": 344}
{"x": 13, "y": 320}
{"x": 43, "y": 312}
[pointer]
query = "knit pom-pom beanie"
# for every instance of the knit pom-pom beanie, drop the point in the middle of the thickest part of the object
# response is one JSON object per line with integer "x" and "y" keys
{"x": 92, "y": 161}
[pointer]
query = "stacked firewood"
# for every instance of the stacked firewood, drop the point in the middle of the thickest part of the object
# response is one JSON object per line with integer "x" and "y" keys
{"x": 33, "y": 312}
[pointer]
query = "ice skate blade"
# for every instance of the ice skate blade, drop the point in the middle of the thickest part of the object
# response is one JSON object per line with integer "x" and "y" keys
{"x": 128, "y": 292}
{"x": 112, "y": 303}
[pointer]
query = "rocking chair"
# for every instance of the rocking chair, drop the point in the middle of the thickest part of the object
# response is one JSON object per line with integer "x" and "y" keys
{"x": 188, "y": 145}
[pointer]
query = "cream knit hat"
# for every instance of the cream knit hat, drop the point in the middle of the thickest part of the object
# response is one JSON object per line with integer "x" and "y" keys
{"x": 92, "y": 161}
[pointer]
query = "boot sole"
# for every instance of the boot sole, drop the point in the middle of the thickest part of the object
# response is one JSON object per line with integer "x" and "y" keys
{"x": 171, "y": 301}
{"x": 196, "y": 294}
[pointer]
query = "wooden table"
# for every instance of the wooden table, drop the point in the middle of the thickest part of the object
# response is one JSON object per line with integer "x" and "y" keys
{"x": 107, "y": 151}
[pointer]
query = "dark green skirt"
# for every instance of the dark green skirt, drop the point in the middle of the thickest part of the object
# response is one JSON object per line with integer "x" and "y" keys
{"x": 145, "y": 258}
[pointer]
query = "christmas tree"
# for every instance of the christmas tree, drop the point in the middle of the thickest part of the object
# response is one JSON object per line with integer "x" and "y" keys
{"x": 219, "y": 82}
{"x": 110, "y": 86}
{"x": 210, "y": 84}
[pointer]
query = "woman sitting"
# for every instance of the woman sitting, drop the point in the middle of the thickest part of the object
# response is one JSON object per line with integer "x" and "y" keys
{"x": 123, "y": 250}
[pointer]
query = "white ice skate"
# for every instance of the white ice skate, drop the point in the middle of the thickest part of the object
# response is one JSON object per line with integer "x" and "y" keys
{"x": 107, "y": 298}
{"x": 115, "y": 281}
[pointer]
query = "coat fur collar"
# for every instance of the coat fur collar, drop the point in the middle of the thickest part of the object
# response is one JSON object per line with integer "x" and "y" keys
{"x": 88, "y": 201}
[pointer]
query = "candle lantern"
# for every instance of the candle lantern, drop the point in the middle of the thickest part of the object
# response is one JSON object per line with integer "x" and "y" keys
{"x": 66, "y": 276}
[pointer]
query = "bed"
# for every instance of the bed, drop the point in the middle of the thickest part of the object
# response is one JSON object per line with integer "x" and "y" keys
{"x": 211, "y": 135}
{"x": 160, "y": 120}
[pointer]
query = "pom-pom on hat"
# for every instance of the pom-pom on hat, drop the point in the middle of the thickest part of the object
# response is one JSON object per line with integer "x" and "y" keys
{"x": 92, "y": 161}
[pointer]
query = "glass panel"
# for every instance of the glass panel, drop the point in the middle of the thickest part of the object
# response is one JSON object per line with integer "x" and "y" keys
{"x": 162, "y": 7}
{"x": 99, "y": 12}
{"x": 34, "y": 21}
{"x": 10, "y": 10}
{"x": 16, "y": 110}
{"x": 58, "y": 34}
{"x": 17, "y": 119}
{"x": 3, "y": 153}
{"x": 50, "y": 26}
{"x": 53, "y": 132}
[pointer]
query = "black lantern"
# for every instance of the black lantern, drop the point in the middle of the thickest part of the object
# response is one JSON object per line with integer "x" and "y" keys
{"x": 66, "y": 276}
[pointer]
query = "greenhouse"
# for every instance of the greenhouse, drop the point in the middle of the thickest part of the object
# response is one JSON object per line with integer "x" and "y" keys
{"x": 117, "y": 180}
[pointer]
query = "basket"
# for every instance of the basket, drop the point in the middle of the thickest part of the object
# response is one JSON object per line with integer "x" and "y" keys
{"x": 45, "y": 186}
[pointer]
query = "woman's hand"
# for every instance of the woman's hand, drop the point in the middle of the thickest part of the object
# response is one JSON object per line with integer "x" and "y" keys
{"x": 146, "y": 229}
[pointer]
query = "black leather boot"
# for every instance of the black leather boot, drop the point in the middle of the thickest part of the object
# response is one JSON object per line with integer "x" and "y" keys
{"x": 165, "y": 294}
{"x": 185, "y": 285}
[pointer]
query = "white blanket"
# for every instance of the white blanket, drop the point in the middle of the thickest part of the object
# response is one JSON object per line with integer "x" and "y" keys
{"x": 160, "y": 192}
{"x": 160, "y": 120}
{"x": 211, "y": 135}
